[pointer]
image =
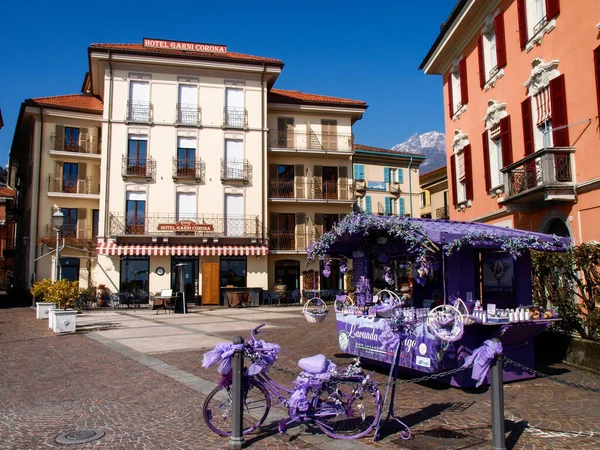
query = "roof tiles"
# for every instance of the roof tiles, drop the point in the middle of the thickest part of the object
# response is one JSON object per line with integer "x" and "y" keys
{"x": 80, "y": 102}
{"x": 286, "y": 96}
{"x": 368, "y": 148}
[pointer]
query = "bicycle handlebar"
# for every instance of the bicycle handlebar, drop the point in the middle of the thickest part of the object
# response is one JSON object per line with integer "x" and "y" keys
{"x": 255, "y": 330}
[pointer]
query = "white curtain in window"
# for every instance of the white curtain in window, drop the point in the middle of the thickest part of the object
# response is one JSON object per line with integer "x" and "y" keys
{"x": 234, "y": 212}
{"x": 188, "y": 95}
{"x": 186, "y": 206}
{"x": 139, "y": 91}
{"x": 136, "y": 196}
{"x": 456, "y": 95}
{"x": 187, "y": 142}
{"x": 235, "y": 98}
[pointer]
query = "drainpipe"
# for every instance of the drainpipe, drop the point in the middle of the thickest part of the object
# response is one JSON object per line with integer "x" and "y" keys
{"x": 34, "y": 226}
{"x": 108, "y": 146}
{"x": 410, "y": 186}
{"x": 263, "y": 150}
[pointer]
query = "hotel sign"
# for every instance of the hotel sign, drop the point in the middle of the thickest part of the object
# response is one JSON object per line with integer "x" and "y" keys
{"x": 185, "y": 225}
{"x": 188, "y": 46}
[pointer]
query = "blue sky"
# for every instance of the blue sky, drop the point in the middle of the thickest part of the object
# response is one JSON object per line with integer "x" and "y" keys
{"x": 366, "y": 51}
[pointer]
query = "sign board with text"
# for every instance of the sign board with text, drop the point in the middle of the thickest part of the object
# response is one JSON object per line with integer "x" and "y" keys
{"x": 185, "y": 225}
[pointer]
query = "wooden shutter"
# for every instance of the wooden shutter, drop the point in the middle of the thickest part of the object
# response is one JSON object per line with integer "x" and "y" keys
{"x": 84, "y": 137}
{"x": 400, "y": 175}
{"x": 319, "y": 223}
{"x": 500, "y": 40}
{"x": 597, "y": 69}
{"x": 450, "y": 100}
{"x": 482, "y": 73}
{"x": 272, "y": 172}
{"x": 468, "y": 172}
{"x": 522, "y": 13}
{"x": 558, "y": 101}
{"x": 299, "y": 176}
{"x": 318, "y": 181}
{"x": 552, "y": 8}
{"x": 402, "y": 208}
{"x": 301, "y": 241}
{"x": 388, "y": 205}
{"x": 272, "y": 182}
{"x": 453, "y": 181}
{"x": 528, "y": 145}
{"x": 486, "y": 160}
{"x": 343, "y": 182}
{"x": 368, "y": 206}
{"x": 386, "y": 174}
{"x": 81, "y": 219}
{"x": 59, "y": 137}
{"x": 464, "y": 91}
{"x": 506, "y": 141}
{"x": 274, "y": 222}
{"x": 82, "y": 187}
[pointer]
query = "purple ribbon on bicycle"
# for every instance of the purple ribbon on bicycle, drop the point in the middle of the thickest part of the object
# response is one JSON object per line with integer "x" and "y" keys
{"x": 482, "y": 359}
{"x": 223, "y": 351}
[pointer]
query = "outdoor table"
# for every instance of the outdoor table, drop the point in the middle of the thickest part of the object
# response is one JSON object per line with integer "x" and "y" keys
{"x": 237, "y": 299}
{"x": 168, "y": 303}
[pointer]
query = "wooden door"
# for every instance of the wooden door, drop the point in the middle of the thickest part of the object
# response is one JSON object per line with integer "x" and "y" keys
{"x": 210, "y": 283}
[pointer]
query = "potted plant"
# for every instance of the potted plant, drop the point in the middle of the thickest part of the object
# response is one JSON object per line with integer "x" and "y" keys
{"x": 39, "y": 291}
{"x": 63, "y": 294}
{"x": 280, "y": 288}
{"x": 101, "y": 291}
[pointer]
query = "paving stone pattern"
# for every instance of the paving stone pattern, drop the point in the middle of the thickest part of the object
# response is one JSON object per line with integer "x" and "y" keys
{"x": 114, "y": 375}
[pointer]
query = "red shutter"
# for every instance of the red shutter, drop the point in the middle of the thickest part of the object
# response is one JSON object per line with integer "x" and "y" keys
{"x": 453, "y": 180}
{"x": 552, "y": 8}
{"x": 597, "y": 69}
{"x": 464, "y": 92}
{"x": 558, "y": 101}
{"x": 522, "y": 23}
{"x": 468, "y": 172}
{"x": 486, "y": 160}
{"x": 505, "y": 141}
{"x": 500, "y": 40}
{"x": 482, "y": 74}
{"x": 450, "y": 100}
{"x": 527, "y": 126}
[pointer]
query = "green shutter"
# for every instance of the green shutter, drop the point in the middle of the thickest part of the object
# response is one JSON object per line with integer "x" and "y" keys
{"x": 402, "y": 207}
{"x": 388, "y": 205}
{"x": 400, "y": 175}
{"x": 368, "y": 197}
{"x": 386, "y": 174}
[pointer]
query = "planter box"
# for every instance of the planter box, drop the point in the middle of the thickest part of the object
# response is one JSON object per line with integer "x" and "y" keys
{"x": 63, "y": 321}
{"x": 42, "y": 309}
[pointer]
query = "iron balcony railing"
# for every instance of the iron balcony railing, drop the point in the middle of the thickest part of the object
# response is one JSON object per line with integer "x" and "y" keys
{"x": 202, "y": 225}
{"x": 74, "y": 235}
{"x": 189, "y": 169}
{"x": 235, "y": 117}
{"x": 310, "y": 141}
{"x": 188, "y": 114}
{"x": 291, "y": 241}
{"x": 442, "y": 213}
{"x": 236, "y": 170}
{"x": 73, "y": 185}
{"x": 138, "y": 167}
{"x": 311, "y": 189}
{"x": 549, "y": 169}
{"x": 139, "y": 111}
{"x": 88, "y": 144}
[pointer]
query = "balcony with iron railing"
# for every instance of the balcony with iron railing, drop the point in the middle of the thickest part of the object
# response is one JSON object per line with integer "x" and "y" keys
{"x": 140, "y": 112}
{"x": 88, "y": 145}
{"x": 289, "y": 241}
{"x": 73, "y": 185}
{"x": 138, "y": 168}
{"x": 310, "y": 141}
{"x": 546, "y": 175}
{"x": 188, "y": 115}
{"x": 236, "y": 170}
{"x": 199, "y": 225}
{"x": 443, "y": 212}
{"x": 235, "y": 117}
{"x": 75, "y": 235}
{"x": 310, "y": 189}
{"x": 189, "y": 169}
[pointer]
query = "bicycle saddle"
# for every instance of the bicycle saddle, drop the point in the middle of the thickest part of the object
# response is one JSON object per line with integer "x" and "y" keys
{"x": 315, "y": 365}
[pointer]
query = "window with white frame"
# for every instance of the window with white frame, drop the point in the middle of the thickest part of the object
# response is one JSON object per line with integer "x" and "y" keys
{"x": 186, "y": 206}
{"x": 491, "y": 48}
{"x": 536, "y": 17}
{"x": 461, "y": 178}
{"x": 541, "y": 110}
{"x": 458, "y": 95}
{"x": 495, "y": 158}
{"x": 393, "y": 175}
{"x": 423, "y": 199}
{"x": 187, "y": 106}
{"x": 139, "y": 109}
{"x": 456, "y": 98}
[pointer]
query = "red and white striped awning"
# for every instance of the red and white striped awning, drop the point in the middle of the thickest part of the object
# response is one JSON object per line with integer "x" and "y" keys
{"x": 114, "y": 249}
{"x": 543, "y": 106}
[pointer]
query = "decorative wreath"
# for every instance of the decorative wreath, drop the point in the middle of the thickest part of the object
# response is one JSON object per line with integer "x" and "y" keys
{"x": 446, "y": 323}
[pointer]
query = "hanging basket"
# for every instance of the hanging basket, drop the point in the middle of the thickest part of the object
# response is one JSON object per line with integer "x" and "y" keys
{"x": 315, "y": 315}
{"x": 462, "y": 308}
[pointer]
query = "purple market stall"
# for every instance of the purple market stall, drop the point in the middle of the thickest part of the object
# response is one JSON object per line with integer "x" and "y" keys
{"x": 418, "y": 264}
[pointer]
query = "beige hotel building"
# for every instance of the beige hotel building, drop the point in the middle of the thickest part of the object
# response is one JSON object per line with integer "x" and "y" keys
{"x": 184, "y": 154}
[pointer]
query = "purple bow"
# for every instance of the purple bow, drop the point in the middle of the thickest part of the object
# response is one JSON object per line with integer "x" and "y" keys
{"x": 223, "y": 351}
{"x": 482, "y": 359}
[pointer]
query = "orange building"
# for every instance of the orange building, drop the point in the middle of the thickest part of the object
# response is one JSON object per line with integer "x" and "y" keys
{"x": 522, "y": 94}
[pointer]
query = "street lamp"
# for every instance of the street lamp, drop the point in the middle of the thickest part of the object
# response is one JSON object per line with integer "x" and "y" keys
{"x": 58, "y": 219}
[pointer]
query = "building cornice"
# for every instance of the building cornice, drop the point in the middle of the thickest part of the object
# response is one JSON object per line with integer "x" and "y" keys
{"x": 315, "y": 108}
{"x": 65, "y": 113}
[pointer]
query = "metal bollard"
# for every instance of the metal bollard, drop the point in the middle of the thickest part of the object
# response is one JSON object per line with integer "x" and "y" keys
{"x": 236, "y": 441}
{"x": 497, "y": 384}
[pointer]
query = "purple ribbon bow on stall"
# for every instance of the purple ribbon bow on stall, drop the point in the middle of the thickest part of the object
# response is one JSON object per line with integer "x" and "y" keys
{"x": 482, "y": 359}
{"x": 223, "y": 351}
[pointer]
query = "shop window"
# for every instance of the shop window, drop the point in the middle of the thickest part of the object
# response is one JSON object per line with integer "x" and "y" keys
{"x": 233, "y": 271}
{"x": 134, "y": 275}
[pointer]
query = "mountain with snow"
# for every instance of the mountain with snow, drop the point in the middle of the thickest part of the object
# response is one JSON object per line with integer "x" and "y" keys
{"x": 431, "y": 144}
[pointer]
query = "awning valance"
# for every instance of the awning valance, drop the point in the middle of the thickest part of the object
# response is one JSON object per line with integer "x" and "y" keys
{"x": 114, "y": 249}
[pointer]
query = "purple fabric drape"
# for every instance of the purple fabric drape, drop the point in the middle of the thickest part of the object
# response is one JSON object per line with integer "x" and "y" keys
{"x": 223, "y": 351}
{"x": 482, "y": 359}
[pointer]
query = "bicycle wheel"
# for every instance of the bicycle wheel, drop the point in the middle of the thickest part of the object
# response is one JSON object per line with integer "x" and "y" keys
{"x": 348, "y": 411}
{"x": 218, "y": 410}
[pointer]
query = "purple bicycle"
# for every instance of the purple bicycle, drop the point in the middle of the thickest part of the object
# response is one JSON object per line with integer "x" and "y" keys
{"x": 344, "y": 404}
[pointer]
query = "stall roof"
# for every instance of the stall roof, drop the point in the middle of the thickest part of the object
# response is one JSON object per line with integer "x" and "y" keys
{"x": 358, "y": 230}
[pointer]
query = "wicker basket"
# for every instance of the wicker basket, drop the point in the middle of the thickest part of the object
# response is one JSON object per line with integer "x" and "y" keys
{"x": 311, "y": 317}
{"x": 462, "y": 308}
